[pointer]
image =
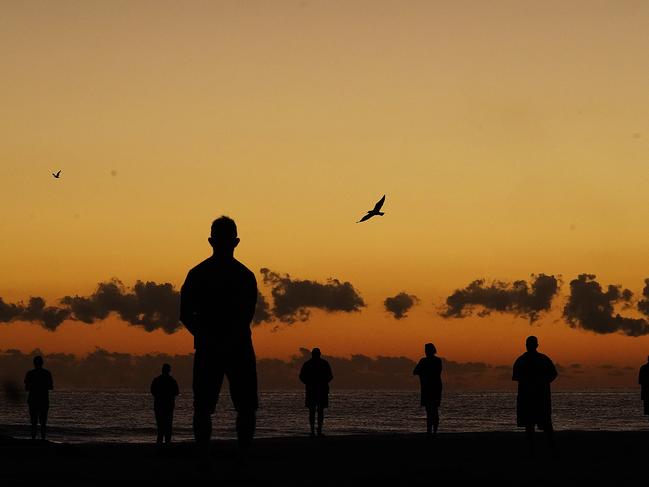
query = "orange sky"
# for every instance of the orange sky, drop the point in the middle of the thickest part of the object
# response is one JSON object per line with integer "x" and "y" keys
{"x": 510, "y": 138}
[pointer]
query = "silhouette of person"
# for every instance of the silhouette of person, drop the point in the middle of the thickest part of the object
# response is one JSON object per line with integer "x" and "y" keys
{"x": 164, "y": 389}
{"x": 643, "y": 380}
{"x": 316, "y": 375}
{"x": 429, "y": 370}
{"x": 217, "y": 304}
{"x": 534, "y": 373}
{"x": 38, "y": 384}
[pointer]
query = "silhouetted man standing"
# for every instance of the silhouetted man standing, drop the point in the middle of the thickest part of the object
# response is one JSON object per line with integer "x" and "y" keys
{"x": 643, "y": 380}
{"x": 316, "y": 375}
{"x": 38, "y": 384}
{"x": 217, "y": 304}
{"x": 534, "y": 373}
{"x": 164, "y": 389}
{"x": 429, "y": 370}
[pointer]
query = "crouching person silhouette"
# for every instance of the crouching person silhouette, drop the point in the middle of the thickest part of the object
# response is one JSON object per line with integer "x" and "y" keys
{"x": 217, "y": 304}
{"x": 316, "y": 375}
{"x": 534, "y": 373}
{"x": 164, "y": 389}
{"x": 38, "y": 384}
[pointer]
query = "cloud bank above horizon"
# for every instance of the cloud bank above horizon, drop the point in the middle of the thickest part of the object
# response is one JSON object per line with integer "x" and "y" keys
{"x": 154, "y": 306}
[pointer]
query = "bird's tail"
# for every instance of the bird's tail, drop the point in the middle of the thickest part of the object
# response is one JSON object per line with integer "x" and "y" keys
{"x": 380, "y": 213}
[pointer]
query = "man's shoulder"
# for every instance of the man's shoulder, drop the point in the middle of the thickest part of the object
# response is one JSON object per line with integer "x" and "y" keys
{"x": 544, "y": 357}
{"x": 209, "y": 265}
{"x": 200, "y": 267}
{"x": 521, "y": 358}
{"x": 244, "y": 270}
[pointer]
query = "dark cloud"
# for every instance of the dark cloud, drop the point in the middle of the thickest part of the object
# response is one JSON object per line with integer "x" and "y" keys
{"x": 400, "y": 304}
{"x": 148, "y": 305}
{"x": 294, "y": 298}
{"x": 591, "y": 308}
{"x": 49, "y": 317}
{"x": 519, "y": 298}
{"x": 643, "y": 304}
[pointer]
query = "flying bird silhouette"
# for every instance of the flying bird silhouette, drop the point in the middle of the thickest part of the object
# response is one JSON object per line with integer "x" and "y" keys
{"x": 374, "y": 211}
{"x": 57, "y": 174}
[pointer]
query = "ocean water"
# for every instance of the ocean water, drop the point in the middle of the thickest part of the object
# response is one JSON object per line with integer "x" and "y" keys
{"x": 127, "y": 416}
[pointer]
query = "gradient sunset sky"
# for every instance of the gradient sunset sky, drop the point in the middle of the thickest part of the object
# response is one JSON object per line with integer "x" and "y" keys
{"x": 511, "y": 138}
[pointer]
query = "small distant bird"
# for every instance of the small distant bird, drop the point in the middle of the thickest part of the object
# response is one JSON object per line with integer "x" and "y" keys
{"x": 374, "y": 211}
{"x": 57, "y": 174}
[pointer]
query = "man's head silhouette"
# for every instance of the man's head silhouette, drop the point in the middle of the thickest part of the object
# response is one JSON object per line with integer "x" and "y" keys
{"x": 166, "y": 369}
{"x": 223, "y": 236}
{"x": 38, "y": 362}
{"x": 315, "y": 353}
{"x": 532, "y": 343}
{"x": 430, "y": 350}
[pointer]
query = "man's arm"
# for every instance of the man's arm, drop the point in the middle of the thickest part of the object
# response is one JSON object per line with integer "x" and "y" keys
{"x": 516, "y": 372}
{"x": 50, "y": 381}
{"x": 330, "y": 375}
{"x": 302, "y": 376}
{"x": 552, "y": 372}
{"x": 250, "y": 300}
{"x": 188, "y": 314}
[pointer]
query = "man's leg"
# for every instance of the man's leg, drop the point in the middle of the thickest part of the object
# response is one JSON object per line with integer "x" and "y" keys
{"x": 33, "y": 419}
{"x": 529, "y": 433}
{"x": 320, "y": 419}
{"x": 169, "y": 426}
{"x": 549, "y": 435}
{"x": 242, "y": 376}
{"x": 159, "y": 425}
{"x": 246, "y": 423}
{"x": 429, "y": 420}
{"x": 207, "y": 381}
{"x": 435, "y": 419}
{"x": 312, "y": 419}
{"x": 42, "y": 417}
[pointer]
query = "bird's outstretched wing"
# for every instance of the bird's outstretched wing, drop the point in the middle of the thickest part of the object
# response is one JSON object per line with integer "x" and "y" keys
{"x": 379, "y": 204}
{"x": 365, "y": 217}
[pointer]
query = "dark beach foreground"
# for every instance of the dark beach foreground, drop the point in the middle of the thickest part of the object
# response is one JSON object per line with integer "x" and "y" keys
{"x": 586, "y": 458}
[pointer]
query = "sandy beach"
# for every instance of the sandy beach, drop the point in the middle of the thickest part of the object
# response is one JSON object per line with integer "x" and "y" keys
{"x": 586, "y": 458}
